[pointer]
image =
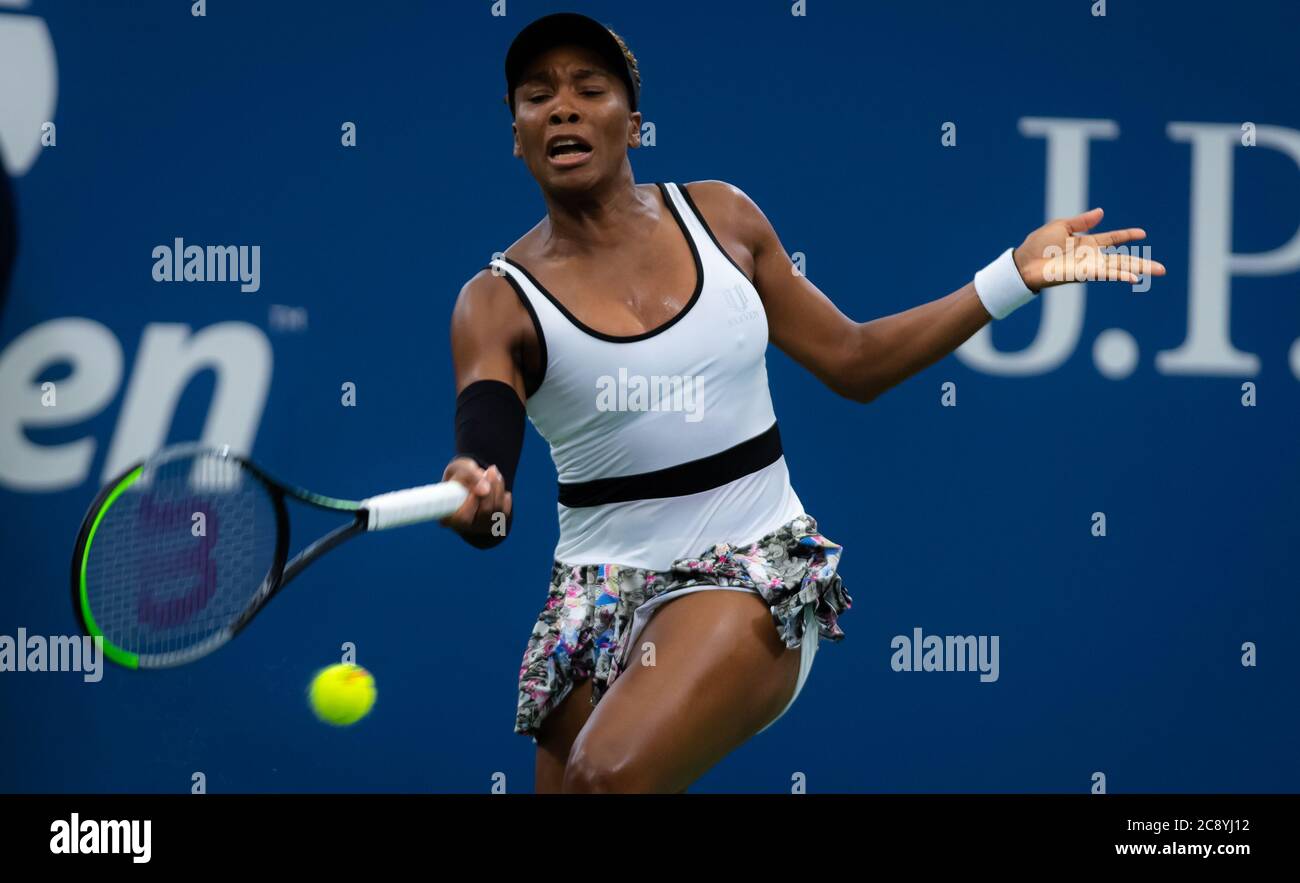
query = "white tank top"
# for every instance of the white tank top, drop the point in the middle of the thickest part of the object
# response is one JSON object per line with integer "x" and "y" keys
{"x": 665, "y": 442}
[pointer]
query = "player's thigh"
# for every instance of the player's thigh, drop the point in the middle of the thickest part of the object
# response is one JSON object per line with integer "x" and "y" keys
{"x": 714, "y": 673}
{"x": 556, "y": 734}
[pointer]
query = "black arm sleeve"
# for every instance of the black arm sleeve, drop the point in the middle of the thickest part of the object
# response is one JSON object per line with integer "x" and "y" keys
{"x": 490, "y": 431}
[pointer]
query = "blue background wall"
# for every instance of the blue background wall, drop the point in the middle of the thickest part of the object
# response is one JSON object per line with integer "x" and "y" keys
{"x": 1118, "y": 654}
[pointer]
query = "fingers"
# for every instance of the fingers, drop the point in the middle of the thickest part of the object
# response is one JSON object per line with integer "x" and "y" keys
{"x": 1115, "y": 237}
{"x": 487, "y": 493}
{"x": 468, "y": 511}
{"x": 487, "y": 497}
{"x": 1126, "y": 268}
{"x": 1129, "y": 268}
{"x": 494, "y": 498}
{"x": 1084, "y": 258}
{"x": 1084, "y": 222}
{"x": 1147, "y": 267}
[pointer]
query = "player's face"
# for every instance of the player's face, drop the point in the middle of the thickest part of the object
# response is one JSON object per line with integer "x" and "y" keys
{"x": 572, "y": 121}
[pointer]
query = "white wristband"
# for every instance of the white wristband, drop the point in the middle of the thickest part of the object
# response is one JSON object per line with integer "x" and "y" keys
{"x": 1001, "y": 288}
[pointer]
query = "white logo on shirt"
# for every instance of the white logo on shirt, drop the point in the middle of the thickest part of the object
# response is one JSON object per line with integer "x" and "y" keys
{"x": 739, "y": 301}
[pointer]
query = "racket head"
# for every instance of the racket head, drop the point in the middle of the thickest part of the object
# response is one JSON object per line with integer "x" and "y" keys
{"x": 176, "y": 554}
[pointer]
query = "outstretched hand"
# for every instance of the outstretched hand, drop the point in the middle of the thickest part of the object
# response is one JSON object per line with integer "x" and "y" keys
{"x": 1063, "y": 251}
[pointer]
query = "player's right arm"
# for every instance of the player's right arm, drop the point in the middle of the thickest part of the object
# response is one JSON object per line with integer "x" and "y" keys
{"x": 492, "y": 341}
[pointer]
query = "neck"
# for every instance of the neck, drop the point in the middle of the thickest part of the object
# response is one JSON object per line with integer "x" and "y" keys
{"x": 613, "y": 213}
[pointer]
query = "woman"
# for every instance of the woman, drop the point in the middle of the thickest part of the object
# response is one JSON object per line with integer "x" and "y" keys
{"x": 630, "y": 327}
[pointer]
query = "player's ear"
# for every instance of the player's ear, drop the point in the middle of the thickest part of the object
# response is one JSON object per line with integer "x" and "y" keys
{"x": 518, "y": 151}
{"x": 634, "y": 129}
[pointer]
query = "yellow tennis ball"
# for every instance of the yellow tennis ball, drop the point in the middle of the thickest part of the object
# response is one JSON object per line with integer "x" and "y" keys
{"x": 342, "y": 694}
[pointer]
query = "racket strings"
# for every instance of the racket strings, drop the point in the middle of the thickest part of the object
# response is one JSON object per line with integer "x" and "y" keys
{"x": 179, "y": 556}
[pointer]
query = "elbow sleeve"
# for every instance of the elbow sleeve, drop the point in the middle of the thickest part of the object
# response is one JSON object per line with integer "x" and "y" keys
{"x": 490, "y": 431}
{"x": 490, "y": 426}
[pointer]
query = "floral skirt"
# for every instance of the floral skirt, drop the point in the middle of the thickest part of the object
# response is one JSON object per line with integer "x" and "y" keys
{"x": 588, "y": 624}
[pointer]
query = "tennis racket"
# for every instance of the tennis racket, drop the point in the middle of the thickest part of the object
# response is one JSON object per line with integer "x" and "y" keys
{"x": 178, "y": 554}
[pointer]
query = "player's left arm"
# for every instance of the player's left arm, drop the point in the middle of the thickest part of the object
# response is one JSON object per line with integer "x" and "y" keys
{"x": 861, "y": 360}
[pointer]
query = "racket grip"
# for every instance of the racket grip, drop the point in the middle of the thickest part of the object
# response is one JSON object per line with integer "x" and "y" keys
{"x": 413, "y": 505}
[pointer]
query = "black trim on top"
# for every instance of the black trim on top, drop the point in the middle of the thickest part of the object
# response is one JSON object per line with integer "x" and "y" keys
{"x": 699, "y": 216}
{"x": 632, "y": 338}
{"x": 691, "y": 477}
{"x": 531, "y": 385}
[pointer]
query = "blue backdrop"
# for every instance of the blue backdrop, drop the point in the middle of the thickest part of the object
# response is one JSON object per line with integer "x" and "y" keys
{"x": 1119, "y": 654}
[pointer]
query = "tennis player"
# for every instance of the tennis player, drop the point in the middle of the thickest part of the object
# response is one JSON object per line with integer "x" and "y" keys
{"x": 630, "y": 327}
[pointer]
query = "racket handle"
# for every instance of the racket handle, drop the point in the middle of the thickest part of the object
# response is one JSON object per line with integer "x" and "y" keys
{"x": 413, "y": 505}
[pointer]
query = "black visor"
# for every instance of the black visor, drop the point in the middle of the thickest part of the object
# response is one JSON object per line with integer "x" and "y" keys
{"x": 561, "y": 28}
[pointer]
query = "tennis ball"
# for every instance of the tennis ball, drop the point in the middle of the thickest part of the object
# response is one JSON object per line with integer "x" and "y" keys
{"x": 342, "y": 694}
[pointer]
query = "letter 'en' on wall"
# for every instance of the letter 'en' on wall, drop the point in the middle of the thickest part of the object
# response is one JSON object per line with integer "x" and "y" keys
{"x": 169, "y": 357}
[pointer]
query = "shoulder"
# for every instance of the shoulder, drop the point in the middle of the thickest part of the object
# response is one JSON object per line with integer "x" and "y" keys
{"x": 490, "y": 286}
{"x": 726, "y": 207}
{"x": 721, "y": 195}
{"x": 483, "y": 289}
{"x": 486, "y": 300}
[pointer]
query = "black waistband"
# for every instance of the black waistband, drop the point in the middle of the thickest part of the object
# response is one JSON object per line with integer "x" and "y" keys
{"x": 691, "y": 477}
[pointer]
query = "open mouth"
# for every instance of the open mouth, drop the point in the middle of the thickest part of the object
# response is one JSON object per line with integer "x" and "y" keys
{"x": 568, "y": 151}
